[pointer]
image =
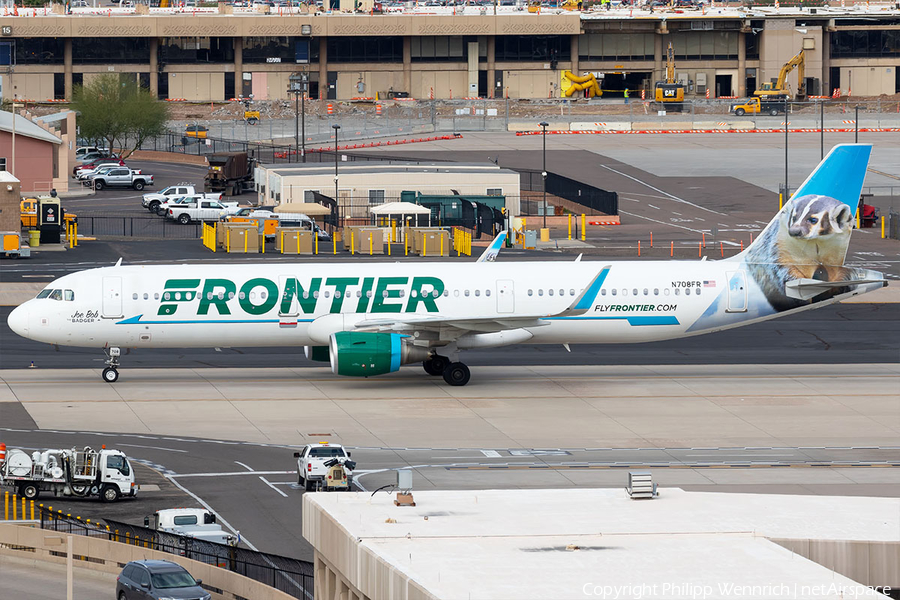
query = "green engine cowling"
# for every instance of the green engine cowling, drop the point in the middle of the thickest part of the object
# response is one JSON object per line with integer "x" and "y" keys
{"x": 365, "y": 354}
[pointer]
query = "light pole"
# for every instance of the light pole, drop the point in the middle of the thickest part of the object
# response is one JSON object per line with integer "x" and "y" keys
{"x": 298, "y": 88}
{"x": 336, "y": 128}
{"x": 544, "y": 125}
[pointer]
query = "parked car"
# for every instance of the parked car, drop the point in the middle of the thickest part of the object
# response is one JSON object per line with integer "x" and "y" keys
{"x": 82, "y": 150}
{"x": 119, "y": 177}
{"x": 92, "y": 156}
{"x": 196, "y": 131}
{"x": 152, "y": 201}
{"x": 81, "y": 171}
{"x": 157, "y": 580}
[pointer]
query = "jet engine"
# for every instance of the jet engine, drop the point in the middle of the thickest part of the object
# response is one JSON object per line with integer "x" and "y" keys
{"x": 364, "y": 354}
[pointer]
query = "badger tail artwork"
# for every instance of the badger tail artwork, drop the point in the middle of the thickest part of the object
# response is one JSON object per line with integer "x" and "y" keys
{"x": 798, "y": 259}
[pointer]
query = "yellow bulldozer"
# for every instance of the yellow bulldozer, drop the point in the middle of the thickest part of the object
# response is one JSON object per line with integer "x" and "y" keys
{"x": 669, "y": 94}
{"x": 779, "y": 88}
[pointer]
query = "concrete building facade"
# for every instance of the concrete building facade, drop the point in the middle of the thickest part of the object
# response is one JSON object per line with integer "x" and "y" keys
{"x": 222, "y": 56}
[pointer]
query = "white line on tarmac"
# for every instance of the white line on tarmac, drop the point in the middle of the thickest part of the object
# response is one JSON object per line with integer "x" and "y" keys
{"x": 219, "y": 517}
{"x": 666, "y": 194}
{"x": 237, "y": 462}
{"x": 269, "y": 483}
{"x": 153, "y": 448}
{"x": 235, "y": 473}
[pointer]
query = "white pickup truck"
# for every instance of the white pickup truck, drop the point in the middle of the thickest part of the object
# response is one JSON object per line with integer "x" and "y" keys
{"x": 200, "y": 209}
{"x": 152, "y": 201}
{"x": 312, "y": 467}
{"x": 193, "y": 522}
{"x": 163, "y": 208}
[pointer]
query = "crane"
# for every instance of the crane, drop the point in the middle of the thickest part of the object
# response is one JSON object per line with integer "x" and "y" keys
{"x": 779, "y": 87}
{"x": 670, "y": 93}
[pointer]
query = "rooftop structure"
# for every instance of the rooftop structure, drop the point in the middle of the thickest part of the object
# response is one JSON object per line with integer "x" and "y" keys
{"x": 577, "y": 543}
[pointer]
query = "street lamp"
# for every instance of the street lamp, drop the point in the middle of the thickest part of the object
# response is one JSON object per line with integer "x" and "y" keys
{"x": 299, "y": 86}
{"x": 336, "y": 128}
{"x": 544, "y": 125}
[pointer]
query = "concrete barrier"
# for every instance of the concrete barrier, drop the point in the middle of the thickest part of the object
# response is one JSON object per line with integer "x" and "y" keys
{"x": 661, "y": 126}
{"x": 533, "y": 126}
{"x": 100, "y": 554}
{"x": 607, "y": 126}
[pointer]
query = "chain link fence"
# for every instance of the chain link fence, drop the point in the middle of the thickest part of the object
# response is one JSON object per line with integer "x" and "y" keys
{"x": 289, "y": 575}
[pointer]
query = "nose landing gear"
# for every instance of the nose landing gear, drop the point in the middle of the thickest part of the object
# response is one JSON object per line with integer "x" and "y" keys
{"x": 110, "y": 373}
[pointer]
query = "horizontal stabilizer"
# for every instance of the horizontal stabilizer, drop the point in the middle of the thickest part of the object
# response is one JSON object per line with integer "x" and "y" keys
{"x": 804, "y": 289}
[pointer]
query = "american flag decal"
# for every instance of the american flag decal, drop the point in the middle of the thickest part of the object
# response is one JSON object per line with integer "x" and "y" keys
{"x": 709, "y": 283}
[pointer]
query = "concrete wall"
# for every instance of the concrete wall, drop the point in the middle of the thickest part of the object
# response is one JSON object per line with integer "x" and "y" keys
{"x": 868, "y": 81}
{"x": 33, "y": 86}
{"x": 10, "y": 209}
{"x": 531, "y": 84}
{"x": 780, "y": 41}
{"x": 100, "y": 554}
{"x": 197, "y": 86}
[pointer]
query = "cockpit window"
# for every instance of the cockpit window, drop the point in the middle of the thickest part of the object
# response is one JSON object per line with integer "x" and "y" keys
{"x": 44, "y": 293}
{"x": 69, "y": 295}
{"x": 56, "y": 295}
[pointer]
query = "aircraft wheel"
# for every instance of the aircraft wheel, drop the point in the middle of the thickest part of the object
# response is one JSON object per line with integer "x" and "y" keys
{"x": 436, "y": 365}
{"x": 110, "y": 375}
{"x": 457, "y": 374}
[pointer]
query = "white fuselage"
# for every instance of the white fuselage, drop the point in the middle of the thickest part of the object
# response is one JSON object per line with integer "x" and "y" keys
{"x": 221, "y": 305}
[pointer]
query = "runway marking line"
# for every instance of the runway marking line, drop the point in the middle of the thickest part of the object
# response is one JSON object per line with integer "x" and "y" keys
{"x": 269, "y": 483}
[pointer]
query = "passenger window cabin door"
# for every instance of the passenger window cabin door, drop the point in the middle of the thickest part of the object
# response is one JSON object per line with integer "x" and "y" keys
{"x": 506, "y": 302}
{"x": 737, "y": 292}
{"x": 111, "y": 303}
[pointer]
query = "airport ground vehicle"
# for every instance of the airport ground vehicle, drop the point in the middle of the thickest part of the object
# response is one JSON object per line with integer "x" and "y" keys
{"x": 362, "y": 318}
{"x": 29, "y": 207}
{"x": 779, "y": 89}
{"x": 157, "y": 580}
{"x": 119, "y": 177}
{"x": 200, "y": 210}
{"x": 757, "y": 105}
{"x": 669, "y": 94}
{"x": 230, "y": 173}
{"x": 154, "y": 201}
{"x": 192, "y": 522}
{"x": 68, "y": 472}
{"x": 324, "y": 466}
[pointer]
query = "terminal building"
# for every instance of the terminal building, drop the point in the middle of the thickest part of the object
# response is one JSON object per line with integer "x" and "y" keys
{"x": 215, "y": 57}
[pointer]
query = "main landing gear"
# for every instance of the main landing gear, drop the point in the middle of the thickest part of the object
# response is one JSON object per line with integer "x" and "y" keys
{"x": 454, "y": 373}
{"x": 110, "y": 373}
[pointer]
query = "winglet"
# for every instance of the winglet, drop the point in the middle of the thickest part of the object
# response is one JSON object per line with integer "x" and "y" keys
{"x": 585, "y": 300}
{"x": 494, "y": 249}
{"x": 119, "y": 262}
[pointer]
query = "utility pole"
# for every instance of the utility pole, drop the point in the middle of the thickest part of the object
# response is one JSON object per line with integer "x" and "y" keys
{"x": 336, "y": 128}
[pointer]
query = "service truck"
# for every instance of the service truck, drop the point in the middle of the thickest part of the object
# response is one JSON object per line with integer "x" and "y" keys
{"x": 84, "y": 473}
{"x": 324, "y": 466}
{"x": 758, "y": 105}
{"x": 152, "y": 201}
{"x": 192, "y": 522}
{"x": 229, "y": 173}
{"x": 200, "y": 210}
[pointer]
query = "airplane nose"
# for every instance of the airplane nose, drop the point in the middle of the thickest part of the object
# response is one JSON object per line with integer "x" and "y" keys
{"x": 18, "y": 320}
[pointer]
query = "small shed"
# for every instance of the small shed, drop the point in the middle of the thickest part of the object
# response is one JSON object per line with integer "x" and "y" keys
{"x": 310, "y": 209}
{"x": 404, "y": 213}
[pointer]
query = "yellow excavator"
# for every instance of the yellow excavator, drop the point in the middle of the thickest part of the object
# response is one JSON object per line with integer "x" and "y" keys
{"x": 571, "y": 83}
{"x": 669, "y": 94}
{"x": 778, "y": 89}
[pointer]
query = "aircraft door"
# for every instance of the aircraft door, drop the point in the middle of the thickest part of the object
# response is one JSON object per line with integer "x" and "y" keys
{"x": 294, "y": 308}
{"x": 506, "y": 301}
{"x": 737, "y": 291}
{"x": 112, "y": 298}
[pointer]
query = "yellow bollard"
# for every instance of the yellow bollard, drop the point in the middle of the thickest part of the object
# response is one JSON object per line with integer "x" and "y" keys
{"x": 215, "y": 235}
{"x": 24, "y": 513}
{"x": 117, "y": 535}
{"x": 371, "y": 248}
{"x": 389, "y": 248}
{"x": 406, "y": 244}
{"x": 316, "y": 241}
{"x": 333, "y": 242}
{"x": 6, "y": 506}
{"x": 127, "y": 537}
{"x": 76, "y": 233}
{"x": 282, "y": 242}
{"x": 393, "y": 230}
{"x": 442, "y": 244}
{"x": 583, "y": 227}
{"x": 15, "y": 510}
{"x": 246, "y": 237}
{"x": 424, "y": 245}
{"x": 352, "y": 242}
{"x": 857, "y": 219}
{"x": 570, "y": 227}
{"x": 780, "y": 201}
{"x": 262, "y": 242}
{"x": 32, "y": 510}
{"x": 882, "y": 227}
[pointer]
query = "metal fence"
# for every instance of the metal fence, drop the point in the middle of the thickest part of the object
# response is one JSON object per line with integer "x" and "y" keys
{"x": 582, "y": 196}
{"x": 289, "y": 575}
{"x": 893, "y": 225}
{"x": 139, "y": 227}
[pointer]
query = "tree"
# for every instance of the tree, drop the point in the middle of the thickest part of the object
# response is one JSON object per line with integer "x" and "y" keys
{"x": 119, "y": 112}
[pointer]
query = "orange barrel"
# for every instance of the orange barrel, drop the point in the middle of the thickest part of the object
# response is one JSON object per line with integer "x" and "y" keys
{"x": 2, "y": 453}
{"x": 330, "y": 108}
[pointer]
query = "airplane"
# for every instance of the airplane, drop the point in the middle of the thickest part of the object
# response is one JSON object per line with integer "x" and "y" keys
{"x": 368, "y": 319}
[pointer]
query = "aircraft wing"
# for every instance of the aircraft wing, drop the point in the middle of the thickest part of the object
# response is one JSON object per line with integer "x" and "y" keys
{"x": 451, "y": 328}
